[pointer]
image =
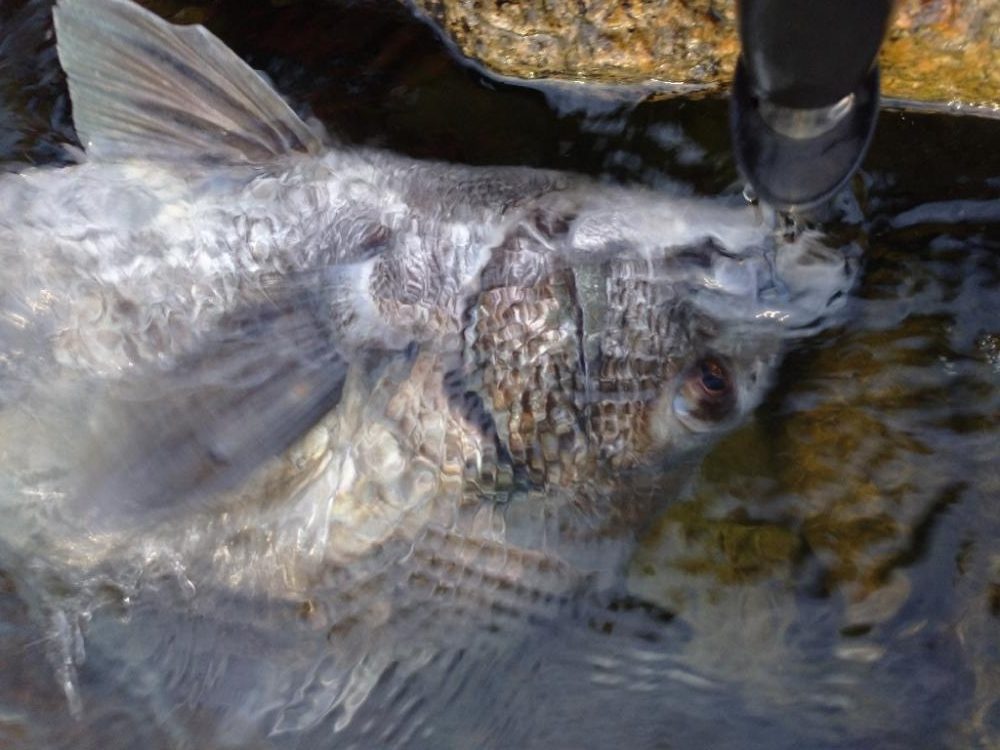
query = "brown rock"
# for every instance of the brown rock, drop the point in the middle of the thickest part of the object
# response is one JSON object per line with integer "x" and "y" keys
{"x": 942, "y": 52}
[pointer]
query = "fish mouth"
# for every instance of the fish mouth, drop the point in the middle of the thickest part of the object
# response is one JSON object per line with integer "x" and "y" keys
{"x": 795, "y": 287}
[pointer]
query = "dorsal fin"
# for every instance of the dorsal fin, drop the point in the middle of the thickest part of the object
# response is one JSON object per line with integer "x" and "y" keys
{"x": 144, "y": 88}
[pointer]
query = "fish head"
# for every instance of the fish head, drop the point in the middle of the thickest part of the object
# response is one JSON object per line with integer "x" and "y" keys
{"x": 742, "y": 307}
{"x": 659, "y": 330}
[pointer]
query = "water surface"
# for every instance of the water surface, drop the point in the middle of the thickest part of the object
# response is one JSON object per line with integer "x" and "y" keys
{"x": 831, "y": 578}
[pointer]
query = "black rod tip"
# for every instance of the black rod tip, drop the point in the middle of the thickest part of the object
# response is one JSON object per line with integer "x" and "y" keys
{"x": 795, "y": 170}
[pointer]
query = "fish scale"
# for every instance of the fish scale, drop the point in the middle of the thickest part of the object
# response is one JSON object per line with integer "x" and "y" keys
{"x": 528, "y": 357}
{"x": 644, "y": 331}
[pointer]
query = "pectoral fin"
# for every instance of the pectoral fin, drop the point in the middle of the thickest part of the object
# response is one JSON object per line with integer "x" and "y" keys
{"x": 247, "y": 393}
{"x": 144, "y": 88}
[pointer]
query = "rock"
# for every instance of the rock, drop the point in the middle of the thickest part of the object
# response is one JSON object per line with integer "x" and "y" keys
{"x": 690, "y": 45}
{"x": 935, "y": 52}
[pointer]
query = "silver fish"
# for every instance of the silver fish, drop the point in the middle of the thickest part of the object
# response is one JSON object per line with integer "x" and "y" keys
{"x": 290, "y": 411}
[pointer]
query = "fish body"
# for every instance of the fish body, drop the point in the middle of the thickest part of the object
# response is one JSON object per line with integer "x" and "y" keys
{"x": 296, "y": 411}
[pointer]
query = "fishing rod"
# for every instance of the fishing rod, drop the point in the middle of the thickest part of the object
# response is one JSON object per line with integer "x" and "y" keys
{"x": 805, "y": 95}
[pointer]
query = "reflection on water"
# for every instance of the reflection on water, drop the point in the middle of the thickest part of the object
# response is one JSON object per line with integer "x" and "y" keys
{"x": 829, "y": 578}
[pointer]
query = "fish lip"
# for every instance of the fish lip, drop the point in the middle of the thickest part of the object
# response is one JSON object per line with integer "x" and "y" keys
{"x": 795, "y": 288}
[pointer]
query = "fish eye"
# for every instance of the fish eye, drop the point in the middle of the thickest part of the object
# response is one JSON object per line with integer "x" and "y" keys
{"x": 706, "y": 394}
{"x": 714, "y": 379}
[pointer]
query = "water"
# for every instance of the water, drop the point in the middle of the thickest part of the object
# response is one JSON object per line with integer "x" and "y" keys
{"x": 832, "y": 576}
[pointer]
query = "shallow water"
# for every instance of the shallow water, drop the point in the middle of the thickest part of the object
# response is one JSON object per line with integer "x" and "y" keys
{"x": 833, "y": 573}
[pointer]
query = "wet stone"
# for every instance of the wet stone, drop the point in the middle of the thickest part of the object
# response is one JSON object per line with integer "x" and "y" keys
{"x": 934, "y": 52}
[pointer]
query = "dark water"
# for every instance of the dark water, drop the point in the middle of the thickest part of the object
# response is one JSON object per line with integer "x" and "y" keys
{"x": 835, "y": 567}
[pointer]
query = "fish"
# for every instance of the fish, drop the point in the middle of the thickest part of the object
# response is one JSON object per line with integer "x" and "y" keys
{"x": 285, "y": 420}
